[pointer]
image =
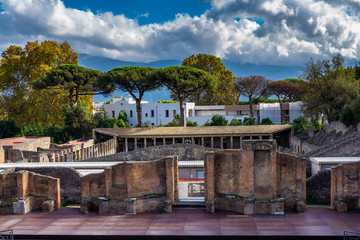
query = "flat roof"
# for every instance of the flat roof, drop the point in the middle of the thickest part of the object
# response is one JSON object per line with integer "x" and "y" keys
{"x": 333, "y": 160}
{"x": 193, "y": 131}
{"x": 16, "y": 140}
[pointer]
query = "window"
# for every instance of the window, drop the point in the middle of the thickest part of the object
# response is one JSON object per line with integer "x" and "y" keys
{"x": 131, "y": 113}
{"x": 174, "y": 113}
{"x": 200, "y": 173}
{"x": 190, "y": 112}
{"x": 146, "y": 115}
{"x": 113, "y": 114}
{"x": 166, "y": 113}
{"x": 152, "y": 113}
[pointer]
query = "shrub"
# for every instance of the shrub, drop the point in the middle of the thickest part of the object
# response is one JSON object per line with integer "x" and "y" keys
{"x": 235, "y": 122}
{"x": 175, "y": 122}
{"x": 8, "y": 129}
{"x": 301, "y": 124}
{"x": 190, "y": 123}
{"x": 249, "y": 121}
{"x": 266, "y": 121}
{"x": 218, "y": 120}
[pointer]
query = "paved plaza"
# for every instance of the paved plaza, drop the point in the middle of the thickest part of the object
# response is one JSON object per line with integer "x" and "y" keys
{"x": 317, "y": 221}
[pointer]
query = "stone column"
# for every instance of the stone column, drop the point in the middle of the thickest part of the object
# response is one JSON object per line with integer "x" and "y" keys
{"x": 126, "y": 144}
{"x": 135, "y": 142}
{"x": 82, "y": 157}
{"x": 240, "y": 143}
{"x": 231, "y": 142}
{"x": 211, "y": 142}
{"x": 260, "y": 137}
{"x": 115, "y": 144}
{"x": 202, "y": 141}
{"x": 192, "y": 140}
{"x": 170, "y": 180}
{"x": 221, "y": 142}
{"x": 154, "y": 140}
{"x": 173, "y": 140}
{"x": 164, "y": 141}
{"x": 209, "y": 182}
{"x": 145, "y": 144}
{"x": 183, "y": 140}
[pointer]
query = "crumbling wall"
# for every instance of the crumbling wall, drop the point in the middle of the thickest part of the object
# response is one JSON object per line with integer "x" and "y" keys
{"x": 42, "y": 142}
{"x": 131, "y": 187}
{"x": 259, "y": 181}
{"x": 2, "y": 154}
{"x": 345, "y": 186}
{"x": 23, "y": 191}
{"x": 70, "y": 181}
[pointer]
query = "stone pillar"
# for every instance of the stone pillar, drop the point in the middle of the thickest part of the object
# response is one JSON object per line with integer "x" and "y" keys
{"x": 173, "y": 140}
{"x": 240, "y": 142}
{"x": 231, "y": 142}
{"x": 126, "y": 144}
{"x": 164, "y": 141}
{"x": 154, "y": 140}
{"x": 209, "y": 181}
{"x": 61, "y": 158}
{"x": 170, "y": 181}
{"x": 192, "y": 140}
{"x": 135, "y": 142}
{"x": 65, "y": 157}
{"x": 82, "y": 155}
{"x": 115, "y": 144}
{"x": 167, "y": 206}
{"x": 130, "y": 206}
{"x": 183, "y": 140}
{"x": 260, "y": 137}
{"x": 211, "y": 142}
{"x": 221, "y": 142}
{"x": 202, "y": 141}
{"x": 145, "y": 144}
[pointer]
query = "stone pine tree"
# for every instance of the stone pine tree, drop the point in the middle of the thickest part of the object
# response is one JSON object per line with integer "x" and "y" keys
{"x": 76, "y": 80}
{"x": 253, "y": 87}
{"x": 184, "y": 82}
{"x": 134, "y": 80}
{"x": 224, "y": 91}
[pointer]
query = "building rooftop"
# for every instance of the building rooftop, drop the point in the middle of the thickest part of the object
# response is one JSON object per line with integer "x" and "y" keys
{"x": 334, "y": 160}
{"x": 194, "y": 131}
{"x": 16, "y": 140}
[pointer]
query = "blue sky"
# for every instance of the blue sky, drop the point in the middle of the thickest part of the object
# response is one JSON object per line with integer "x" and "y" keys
{"x": 145, "y": 11}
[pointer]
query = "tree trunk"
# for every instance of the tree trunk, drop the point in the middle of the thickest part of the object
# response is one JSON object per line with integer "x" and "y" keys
{"x": 251, "y": 107}
{"x": 182, "y": 112}
{"x": 71, "y": 100}
{"x": 138, "y": 111}
{"x": 237, "y": 99}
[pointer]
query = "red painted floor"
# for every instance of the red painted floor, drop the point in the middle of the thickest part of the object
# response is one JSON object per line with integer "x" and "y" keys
{"x": 69, "y": 221}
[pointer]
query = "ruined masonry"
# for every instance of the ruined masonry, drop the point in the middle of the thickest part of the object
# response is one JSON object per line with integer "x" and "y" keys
{"x": 23, "y": 191}
{"x": 132, "y": 187}
{"x": 255, "y": 180}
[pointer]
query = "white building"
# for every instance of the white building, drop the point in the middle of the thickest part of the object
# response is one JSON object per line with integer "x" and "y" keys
{"x": 162, "y": 113}
{"x": 291, "y": 111}
{"x": 154, "y": 113}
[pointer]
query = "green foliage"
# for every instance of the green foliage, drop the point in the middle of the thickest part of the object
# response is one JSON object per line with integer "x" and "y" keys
{"x": 28, "y": 130}
{"x": 167, "y": 101}
{"x": 329, "y": 87}
{"x": 301, "y": 124}
{"x": 176, "y": 122}
{"x": 235, "y": 122}
{"x": 147, "y": 124}
{"x": 79, "y": 121}
{"x": 190, "y": 123}
{"x": 249, "y": 121}
{"x": 123, "y": 116}
{"x": 266, "y": 121}
{"x": 218, "y": 120}
{"x": 8, "y": 129}
{"x": 57, "y": 134}
{"x": 224, "y": 91}
{"x": 351, "y": 113}
{"x": 208, "y": 123}
{"x": 318, "y": 125}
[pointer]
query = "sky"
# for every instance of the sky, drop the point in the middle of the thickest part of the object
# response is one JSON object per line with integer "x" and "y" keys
{"x": 262, "y": 32}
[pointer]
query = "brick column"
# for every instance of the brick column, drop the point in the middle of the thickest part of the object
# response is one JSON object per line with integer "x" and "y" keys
{"x": 209, "y": 181}
{"x": 170, "y": 181}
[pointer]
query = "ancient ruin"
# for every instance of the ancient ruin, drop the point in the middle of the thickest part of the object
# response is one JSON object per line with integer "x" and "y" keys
{"x": 345, "y": 187}
{"x": 132, "y": 187}
{"x": 23, "y": 191}
{"x": 255, "y": 180}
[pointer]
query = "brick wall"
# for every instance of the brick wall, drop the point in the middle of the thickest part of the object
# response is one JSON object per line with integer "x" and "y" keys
{"x": 31, "y": 188}
{"x": 254, "y": 181}
{"x": 345, "y": 186}
{"x": 131, "y": 187}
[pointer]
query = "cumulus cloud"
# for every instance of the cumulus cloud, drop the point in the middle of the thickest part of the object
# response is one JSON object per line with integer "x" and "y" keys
{"x": 292, "y": 32}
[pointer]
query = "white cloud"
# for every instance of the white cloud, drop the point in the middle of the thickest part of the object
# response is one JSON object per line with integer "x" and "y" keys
{"x": 293, "y": 31}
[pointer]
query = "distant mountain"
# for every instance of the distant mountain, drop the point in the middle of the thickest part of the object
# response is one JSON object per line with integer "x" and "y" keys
{"x": 106, "y": 64}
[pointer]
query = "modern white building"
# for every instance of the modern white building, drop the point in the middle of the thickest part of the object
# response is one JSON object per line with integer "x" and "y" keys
{"x": 272, "y": 111}
{"x": 162, "y": 113}
{"x": 154, "y": 113}
{"x": 325, "y": 163}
